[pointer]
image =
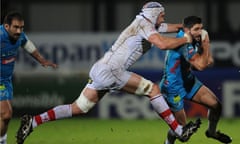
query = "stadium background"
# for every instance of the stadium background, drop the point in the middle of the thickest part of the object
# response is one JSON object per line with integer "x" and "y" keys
{"x": 75, "y": 33}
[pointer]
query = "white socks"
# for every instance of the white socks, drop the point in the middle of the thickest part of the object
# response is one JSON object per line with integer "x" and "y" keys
{"x": 3, "y": 139}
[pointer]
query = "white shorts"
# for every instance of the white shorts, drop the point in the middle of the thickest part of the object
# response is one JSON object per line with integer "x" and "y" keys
{"x": 104, "y": 77}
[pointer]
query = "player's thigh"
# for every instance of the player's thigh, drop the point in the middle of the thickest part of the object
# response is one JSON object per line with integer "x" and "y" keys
{"x": 205, "y": 97}
{"x": 107, "y": 77}
{"x": 5, "y": 108}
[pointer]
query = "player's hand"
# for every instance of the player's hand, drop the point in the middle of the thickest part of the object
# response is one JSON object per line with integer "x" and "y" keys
{"x": 48, "y": 64}
{"x": 189, "y": 37}
{"x": 205, "y": 39}
{"x": 204, "y": 35}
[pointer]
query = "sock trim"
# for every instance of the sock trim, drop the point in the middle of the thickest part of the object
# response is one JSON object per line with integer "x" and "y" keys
{"x": 51, "y": 114}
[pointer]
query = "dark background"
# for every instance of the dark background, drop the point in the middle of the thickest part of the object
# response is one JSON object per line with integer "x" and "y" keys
{"x": 221, "y": 18}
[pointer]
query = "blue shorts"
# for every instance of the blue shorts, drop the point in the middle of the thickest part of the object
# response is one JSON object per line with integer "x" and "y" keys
{"x": 175, "y": 100}
{"x": 6, "y": 90}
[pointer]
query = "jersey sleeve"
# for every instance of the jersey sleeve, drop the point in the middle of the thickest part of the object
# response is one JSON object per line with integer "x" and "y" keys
{"x": 189, "y": 51}
{"x": 23, "y": 39}
{"x": 163, "y": 28}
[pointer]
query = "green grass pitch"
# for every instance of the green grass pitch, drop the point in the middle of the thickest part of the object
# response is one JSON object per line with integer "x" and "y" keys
{"x": 117, "y": 131}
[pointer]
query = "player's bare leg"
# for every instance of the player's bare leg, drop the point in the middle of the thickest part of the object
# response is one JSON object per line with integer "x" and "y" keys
{"x": 5, "y": 116}
{"x": 207, "y": 98}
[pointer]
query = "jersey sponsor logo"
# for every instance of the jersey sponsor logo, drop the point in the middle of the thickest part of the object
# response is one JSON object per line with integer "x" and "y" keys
{"x": 2, "y": 87}
{"x": 191, "y": 51}
{"x": 9, "y": 60}
{"x": 166, "y": 82}
{"x": 9, "y": 53}
{"x": 176, "y": 98}
{"x": 3, "y": 91}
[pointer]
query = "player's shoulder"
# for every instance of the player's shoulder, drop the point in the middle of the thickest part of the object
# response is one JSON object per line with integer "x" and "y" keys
{"x": 23, "y": 38}
{"x": 180, "y": 33}
{"x": 1, "y": 31}
{"x": 143, "y": 22}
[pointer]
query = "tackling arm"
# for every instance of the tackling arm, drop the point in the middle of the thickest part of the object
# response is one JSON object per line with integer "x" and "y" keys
{"x": 174, "y": 27}
{"x": 165, "y": 43}
{"x": 169, "y": 28}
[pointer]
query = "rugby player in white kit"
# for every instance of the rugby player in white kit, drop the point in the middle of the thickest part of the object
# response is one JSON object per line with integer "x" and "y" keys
{"x": 111, "y": 73}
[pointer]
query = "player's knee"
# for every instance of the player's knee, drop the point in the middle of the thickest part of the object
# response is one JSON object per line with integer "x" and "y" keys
{"x": 155, "y": 90}
{"x": 215, "y": 112}
{"x": 84, "y": 103}
{"x": 145, "y": 87}
{"x": 218, "y": 107}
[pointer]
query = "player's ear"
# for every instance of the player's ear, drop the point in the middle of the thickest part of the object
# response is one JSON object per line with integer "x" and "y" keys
{"x": 6, "y": 26}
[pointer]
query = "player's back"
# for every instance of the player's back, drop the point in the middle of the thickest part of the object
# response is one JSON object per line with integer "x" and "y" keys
{"x": 130, "y": 45}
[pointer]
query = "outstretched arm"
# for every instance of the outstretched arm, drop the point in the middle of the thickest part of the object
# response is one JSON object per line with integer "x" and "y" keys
{"x": 165, "y": 43}
{"x": 42, "y": 60}
{"x": 30, "y": 48}
{"x": 174, "y": 27}
{"x": 169, "y": 28}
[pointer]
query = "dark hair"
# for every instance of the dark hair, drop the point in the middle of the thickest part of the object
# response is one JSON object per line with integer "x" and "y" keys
{"x": 190, "y": 21}
{"x": 12, "y": 15}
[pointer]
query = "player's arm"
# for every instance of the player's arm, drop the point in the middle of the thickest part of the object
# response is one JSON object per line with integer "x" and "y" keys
{"x": 206, "y": 41}
{"x": 32, "y": 50}
{"x": 169, "y": 28}
{"x": 202, "y": 60}
{"x": 165, "y": 43}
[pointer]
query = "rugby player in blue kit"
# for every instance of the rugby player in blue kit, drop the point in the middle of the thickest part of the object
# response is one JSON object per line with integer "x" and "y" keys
{"x": 179, "y": 83}
{"x": 12, "y": 37}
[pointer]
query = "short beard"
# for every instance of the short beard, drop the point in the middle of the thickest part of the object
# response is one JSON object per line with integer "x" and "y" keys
{"x": 13, "y": 40}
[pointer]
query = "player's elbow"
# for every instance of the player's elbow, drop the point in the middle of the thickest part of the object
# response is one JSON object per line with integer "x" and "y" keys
{"x": 158, "y": 41}
{"x": 162, "y": 45}
{"x": 210, "y": 62}
{"x": 199, "y": 66}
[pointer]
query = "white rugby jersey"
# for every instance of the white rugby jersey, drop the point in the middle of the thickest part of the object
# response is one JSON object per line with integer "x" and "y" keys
{"x": 131, "y": 44}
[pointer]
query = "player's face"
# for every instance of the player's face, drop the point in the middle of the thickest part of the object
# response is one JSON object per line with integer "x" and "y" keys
{"x": 160, "y": 19}
{"x": 15, "y": 29}
{"x": 196, "y": 31}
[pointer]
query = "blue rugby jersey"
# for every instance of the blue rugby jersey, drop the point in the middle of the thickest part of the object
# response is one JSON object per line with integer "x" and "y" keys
{"x": 177, "y": 71}
{"x": 9, "y": 53}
